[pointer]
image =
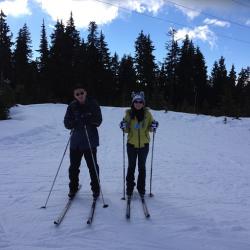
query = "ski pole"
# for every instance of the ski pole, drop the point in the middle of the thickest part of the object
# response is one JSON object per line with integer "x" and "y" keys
{"x": 151, "y": 170}
{"x": 97, "y": 176}
{"x": 123, "y": 198}
{"x": 57, "y": 172}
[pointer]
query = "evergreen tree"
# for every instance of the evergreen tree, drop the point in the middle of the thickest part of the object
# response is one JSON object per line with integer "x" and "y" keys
{"x": 106, "y": 86}
{"x": 6, "y": 91}
{"x": 247, "y": 93}
{"x": 57, "y": 64}
{"x": 72, "y": 55}
{"x": 93, "y": 64}
{"x": 43, "y": 50}
{"x": 200, "y": 81}
{"x": 169, "y": 68}
{"x": 114, "y": 67}
{"x": 104, "y": 52}
{"x": 145, "y": 65}
{"x": 159, "y": 98}
{"x": 22, "y": 70}
{"x": 5, "y": 49}
{"x": 43, "y": 67}
{"x": 127, "y": 80}
{"x": 80, "y": 68}
{"x": 186, "y": 75}
{"x": 218, "y": 82}
{"x": 242, "y": 92}
{"x": 7, "y": 99}
{"x": 229, "y": 104}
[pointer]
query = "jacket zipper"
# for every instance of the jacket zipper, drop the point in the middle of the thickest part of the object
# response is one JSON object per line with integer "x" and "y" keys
{"x": 139, "y": 138}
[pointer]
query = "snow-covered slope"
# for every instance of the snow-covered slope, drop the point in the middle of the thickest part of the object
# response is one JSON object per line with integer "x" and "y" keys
{"x": 201, "y": 182}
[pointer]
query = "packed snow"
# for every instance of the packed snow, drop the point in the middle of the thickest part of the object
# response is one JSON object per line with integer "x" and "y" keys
{"x": 201, "y": 185}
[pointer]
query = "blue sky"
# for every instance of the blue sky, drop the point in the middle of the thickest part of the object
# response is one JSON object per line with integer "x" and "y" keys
{"x": 219, "y": 28}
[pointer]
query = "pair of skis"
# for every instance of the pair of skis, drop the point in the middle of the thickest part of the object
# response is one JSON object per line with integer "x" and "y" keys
{"x": 144, "y": 207}
{"x": 61, "y": 216}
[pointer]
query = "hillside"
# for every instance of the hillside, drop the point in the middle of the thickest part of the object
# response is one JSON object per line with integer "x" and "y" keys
{"x": 201, "y": 182}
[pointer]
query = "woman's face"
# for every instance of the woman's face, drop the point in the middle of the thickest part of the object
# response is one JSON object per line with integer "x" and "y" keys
{"x": 138, "y": 104}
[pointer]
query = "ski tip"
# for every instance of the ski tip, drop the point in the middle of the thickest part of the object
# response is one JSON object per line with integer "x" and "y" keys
{"x": 105, "y": 205}
{"x": 88, "y": 222}
{"x": 148, "y": 216}
{"x": 56, "y": 223}
{"x": 151, "y": 195}
{"x": 43, "y": 207}
{"x": 123, "y": 198}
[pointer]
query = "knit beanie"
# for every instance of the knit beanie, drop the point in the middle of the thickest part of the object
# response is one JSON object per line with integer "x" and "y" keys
{"x": 138, "y": 97}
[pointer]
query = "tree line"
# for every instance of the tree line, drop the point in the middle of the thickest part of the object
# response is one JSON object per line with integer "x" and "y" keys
{"x": 179, "y": 83}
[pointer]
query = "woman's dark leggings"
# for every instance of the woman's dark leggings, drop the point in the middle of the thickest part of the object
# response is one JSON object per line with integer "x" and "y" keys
{"x": 133, "y": 153}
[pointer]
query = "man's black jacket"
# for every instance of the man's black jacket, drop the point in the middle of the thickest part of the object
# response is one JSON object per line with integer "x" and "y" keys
{"x": 77, "y": 116}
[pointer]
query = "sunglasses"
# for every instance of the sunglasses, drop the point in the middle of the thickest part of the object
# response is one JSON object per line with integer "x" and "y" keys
{"x": 141, "y": 102}
{"x": 80, "y": 93}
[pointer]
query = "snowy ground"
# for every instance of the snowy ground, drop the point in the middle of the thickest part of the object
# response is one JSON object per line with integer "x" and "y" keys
{"x": 201, "y": 182}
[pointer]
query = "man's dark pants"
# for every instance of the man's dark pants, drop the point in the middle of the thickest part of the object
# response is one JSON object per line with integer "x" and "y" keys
{"x": 74, "y": 169}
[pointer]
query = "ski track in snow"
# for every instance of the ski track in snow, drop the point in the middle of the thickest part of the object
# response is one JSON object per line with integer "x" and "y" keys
{"x": 201, "y": 182}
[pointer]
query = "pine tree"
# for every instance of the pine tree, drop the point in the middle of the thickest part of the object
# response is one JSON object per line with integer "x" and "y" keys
{"x": 22, "y": 70}
{"x": 185, "y": 74}
{"x": 218, "y": 82}
{"x": 93, "y": 66}
{"x": 229, "y": 103}
{"x": 169, "y": 68}
{"x": 6, "y": 91}
{"x": 243, "y": 92}
{"x": 127, "y": 79}
{"x": 200, "y": 81}
{"x": 7, "y": 99}
{"x": 43, "y": 50}
{"x": 145, "y": 65}
{"x": 57, "y": 64}
{"x": 104, "y": 52}
{"x": 247, "y": 93}
{"x": 114, "y": 68}
{"x": 106, "y": 86}
{"x": 80, "y": 67}
{"x": 159, "y": 100}
{"x": 5, "y": 49}
{"x": 43, "y": 67}
{"x": 71, "y": 56}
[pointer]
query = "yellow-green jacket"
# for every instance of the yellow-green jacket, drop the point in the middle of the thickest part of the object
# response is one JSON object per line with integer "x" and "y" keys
{"x": 138, "y": 133}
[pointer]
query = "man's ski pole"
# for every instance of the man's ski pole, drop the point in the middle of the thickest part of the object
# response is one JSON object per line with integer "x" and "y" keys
{"x": 57, "y": 172}
{"x": 97, "y": 175}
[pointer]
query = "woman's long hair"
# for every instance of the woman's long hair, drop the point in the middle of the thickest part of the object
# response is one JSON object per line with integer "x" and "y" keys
{"x": 139, "y": 114}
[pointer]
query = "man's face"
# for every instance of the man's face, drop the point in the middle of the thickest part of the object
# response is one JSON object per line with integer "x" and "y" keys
{"x": 80, "y": 95}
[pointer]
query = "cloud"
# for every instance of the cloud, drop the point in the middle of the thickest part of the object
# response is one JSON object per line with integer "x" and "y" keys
{"x": 248, "y": 22}
{"x": 142, "y": 5}
{"x": 202, "y": 33}
{"x": 83, "y": 11}
{"x": 193, "y": 8}
{"x": 15, "y": 8}
{"x": 102, "y": 12}
{"x": 216, "y": 22}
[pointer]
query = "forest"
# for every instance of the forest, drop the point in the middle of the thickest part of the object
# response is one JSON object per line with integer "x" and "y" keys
{"x": 179, "y": 83}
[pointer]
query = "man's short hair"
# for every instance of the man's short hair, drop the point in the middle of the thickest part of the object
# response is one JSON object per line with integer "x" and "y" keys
{"x": 79, "y": 86}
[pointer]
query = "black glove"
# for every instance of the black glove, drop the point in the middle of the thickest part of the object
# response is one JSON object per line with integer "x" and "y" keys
{"x": 154, "y": 125}
{"x": 123, "y": 124}
{"x": 82, "y": 119}
{"x": 85, "y": 118}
